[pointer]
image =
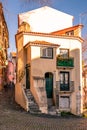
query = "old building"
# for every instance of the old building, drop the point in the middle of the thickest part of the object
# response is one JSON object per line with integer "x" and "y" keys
{"x": 10, "y": 72}
{"x": 12, "y": 67}
{"x": 84, "y": 83}
{"x": 49, "y": 61}
{"x": 4, "y": 37}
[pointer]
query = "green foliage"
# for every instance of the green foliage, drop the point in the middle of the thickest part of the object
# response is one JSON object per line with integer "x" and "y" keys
{"x": 64, "y": 113}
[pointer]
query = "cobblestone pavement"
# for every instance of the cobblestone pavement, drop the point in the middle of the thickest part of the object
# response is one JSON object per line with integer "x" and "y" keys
{"x": 12, "y": 117}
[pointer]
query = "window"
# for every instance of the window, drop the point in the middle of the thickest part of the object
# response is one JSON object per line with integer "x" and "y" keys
{"x": 70, "y": 33}
{"x": 64, "y": 53}
{"x": 46, "y": 52}
{"x": 64, "y": 81}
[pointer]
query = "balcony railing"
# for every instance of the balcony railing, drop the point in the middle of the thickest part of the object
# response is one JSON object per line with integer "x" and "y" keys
{"x": 65, "y": 88}
{"x": 62, "y": 62}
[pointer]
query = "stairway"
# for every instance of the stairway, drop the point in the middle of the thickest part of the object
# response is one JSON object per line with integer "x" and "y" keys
{"x": 52, "y": 110}
{"x": 33, "y": 106}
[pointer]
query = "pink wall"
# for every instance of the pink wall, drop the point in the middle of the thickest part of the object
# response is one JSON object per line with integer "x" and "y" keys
{"x": 10, "y": 72}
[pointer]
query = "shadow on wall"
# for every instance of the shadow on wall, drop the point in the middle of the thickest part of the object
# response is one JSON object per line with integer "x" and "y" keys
{"x": 76, "y": 54}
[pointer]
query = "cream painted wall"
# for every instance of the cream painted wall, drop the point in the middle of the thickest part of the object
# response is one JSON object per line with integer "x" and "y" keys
{"x": 75, "y": 74}
{"x": 75, "y": 51}
{"x": 47, "y": 20}
{"x": 41, "y": 65}
{"x": 60, "y": 40}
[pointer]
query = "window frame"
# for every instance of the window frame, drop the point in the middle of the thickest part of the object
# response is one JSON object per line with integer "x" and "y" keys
{"x": 70, "y": 33}
{"x": 45, "y": 54}
{"x": 64, "y": 81}
{"x": 62, "y": 55}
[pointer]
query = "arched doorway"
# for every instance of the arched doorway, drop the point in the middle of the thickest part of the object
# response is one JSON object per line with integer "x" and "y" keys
{"x": 49, "y": 86}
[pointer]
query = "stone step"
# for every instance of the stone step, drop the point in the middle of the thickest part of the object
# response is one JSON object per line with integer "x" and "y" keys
{"x": 33, "y": 106}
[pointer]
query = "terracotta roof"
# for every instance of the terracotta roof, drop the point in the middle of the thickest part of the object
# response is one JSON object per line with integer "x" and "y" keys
{"x": 59, "y": 32}
{"x": 53, "y": 35}
{"x": 50, "y": 35}
{"x": 13, "y": 54}
{"x": 41, "y": 43}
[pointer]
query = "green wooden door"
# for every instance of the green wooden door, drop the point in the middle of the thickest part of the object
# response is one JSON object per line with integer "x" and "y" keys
{"x": 49, "y": 85}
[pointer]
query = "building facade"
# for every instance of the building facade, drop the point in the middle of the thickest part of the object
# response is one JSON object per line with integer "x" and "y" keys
{"x": 4, "y": 37}
{"x": 84, "y": 84}
{"x": 49, "y": 61}
{"x": 11, "y": 69}
{"x": 10, "y": 72}
{"x": 13, "y": 60}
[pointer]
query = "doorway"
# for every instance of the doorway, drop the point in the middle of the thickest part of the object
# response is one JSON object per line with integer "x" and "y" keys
{"x": 49, "y": 84}
{"x": 27, "y": 76}
{"x": 64, "y": 81}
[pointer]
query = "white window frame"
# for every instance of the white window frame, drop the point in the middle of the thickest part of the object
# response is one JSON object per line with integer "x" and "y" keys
{"x": 64, "y": 53}
{"x": 46, "y": 52}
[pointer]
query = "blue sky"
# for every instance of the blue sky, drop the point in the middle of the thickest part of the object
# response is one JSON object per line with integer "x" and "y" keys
{"x": 76, "y": 8}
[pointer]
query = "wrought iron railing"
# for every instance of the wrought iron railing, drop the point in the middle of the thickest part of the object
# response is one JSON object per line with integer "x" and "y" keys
{"x": 70, "y": 87}
{"x": 62, "y": 62}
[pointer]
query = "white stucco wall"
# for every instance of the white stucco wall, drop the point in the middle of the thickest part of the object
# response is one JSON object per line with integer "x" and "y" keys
{"x": 46, "y": 19}
{"x": 64, "y": 42}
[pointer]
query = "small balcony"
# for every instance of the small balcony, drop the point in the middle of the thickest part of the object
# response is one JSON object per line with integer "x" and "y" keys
{"x": 65, "y": 87}
{"x": 65, "y": 62}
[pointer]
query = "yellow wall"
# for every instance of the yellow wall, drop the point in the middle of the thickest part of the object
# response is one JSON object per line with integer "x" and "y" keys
{"x": 20, "y": 96}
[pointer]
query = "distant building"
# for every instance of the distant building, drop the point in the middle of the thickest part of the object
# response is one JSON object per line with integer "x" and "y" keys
{"x": 10, "y": 72}
{"x": 11, "y": 69}
{"x": 4, "y": 44}
{"x": 14, "y": 61}
{"x": 49, "y": 61}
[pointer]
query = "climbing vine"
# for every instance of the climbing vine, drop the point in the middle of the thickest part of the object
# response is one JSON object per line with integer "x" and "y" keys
{"x": 21, "y": 74}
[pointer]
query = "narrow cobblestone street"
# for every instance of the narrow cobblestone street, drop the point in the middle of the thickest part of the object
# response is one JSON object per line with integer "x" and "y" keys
{"x": 12, "y": 117}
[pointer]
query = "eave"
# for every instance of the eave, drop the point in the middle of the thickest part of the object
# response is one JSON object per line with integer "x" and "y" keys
{"x": 41, "y": 43}
{"x": 48, "y": 35}
{"x": 59, "y": 32}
